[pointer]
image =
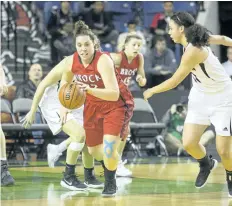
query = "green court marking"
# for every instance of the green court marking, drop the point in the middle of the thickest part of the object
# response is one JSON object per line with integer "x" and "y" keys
{"x": 151, "y": 160}
{"x": 37, "y": 185}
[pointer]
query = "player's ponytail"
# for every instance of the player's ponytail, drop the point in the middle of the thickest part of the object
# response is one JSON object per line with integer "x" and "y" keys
{"x": 81, "y": 28}
{"x": 195, "y": 34}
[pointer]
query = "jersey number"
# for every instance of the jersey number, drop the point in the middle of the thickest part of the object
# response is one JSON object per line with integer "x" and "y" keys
{"x": 127, "y": 81}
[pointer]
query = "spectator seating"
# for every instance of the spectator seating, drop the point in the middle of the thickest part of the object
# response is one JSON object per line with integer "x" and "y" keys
{"x": 15, "y": 130}
{"x": 147, "y": 126}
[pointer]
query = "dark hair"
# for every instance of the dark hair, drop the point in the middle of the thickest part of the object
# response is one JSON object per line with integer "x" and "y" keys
{"x": 81, "y": 28}
{"x": 159, "y": 38}
{"x": 132, "y": 21}
{"x": 129, "y": 37}
{"x": 195, "y": 34}
{"x": 168, "y": 2}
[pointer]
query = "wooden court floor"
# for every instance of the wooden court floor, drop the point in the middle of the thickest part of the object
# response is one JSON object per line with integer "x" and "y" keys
{"x": 159, "y": 181}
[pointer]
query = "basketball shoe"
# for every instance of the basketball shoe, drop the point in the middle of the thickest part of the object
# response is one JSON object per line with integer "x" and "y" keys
{"x": 229, "y": 182}
{"x": 71, "y": 182}
{"x": 91, "y": 180}
{"x": 122, "y": 171}
{"x": 206, "y": 164}
{"x": 53, "y": 154}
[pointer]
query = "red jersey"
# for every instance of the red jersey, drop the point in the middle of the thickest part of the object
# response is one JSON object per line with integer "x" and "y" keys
{"x": 127, "y": 70}
{"x": 92, "y": 77}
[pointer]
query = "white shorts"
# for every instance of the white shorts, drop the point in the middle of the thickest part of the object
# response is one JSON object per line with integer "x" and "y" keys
{"x": 215, "y": 108}
{"x": 51, "y": 113}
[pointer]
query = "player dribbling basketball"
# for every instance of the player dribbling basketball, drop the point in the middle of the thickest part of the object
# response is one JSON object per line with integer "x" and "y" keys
{"x": 107, "y": 101}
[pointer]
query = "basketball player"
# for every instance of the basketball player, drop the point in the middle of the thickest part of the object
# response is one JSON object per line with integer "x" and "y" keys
{"x": 127, "y": 62}
{"x": 6, "y": 178}
{"x": 107, "y": 104}
{"x": 58, "y": 118}
{"x": 210, "y": 99}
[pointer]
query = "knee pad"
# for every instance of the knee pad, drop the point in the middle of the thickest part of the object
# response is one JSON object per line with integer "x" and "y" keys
{"x": 76, "y": 146}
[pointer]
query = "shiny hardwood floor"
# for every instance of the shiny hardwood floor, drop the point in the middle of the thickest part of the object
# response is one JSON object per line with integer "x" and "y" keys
{"x": 159, "y": 181}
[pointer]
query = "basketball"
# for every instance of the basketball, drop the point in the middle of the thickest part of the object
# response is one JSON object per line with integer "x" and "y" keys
{"x": 11, "y": 93}
{"x": 71, "y": 96}
{"x": 6, "y": 118}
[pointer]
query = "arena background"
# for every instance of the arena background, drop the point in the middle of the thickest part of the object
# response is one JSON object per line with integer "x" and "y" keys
{"x": 25, "y": 40}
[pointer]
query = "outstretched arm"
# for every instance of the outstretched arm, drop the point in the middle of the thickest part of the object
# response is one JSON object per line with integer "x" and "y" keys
{"x": 141, "y": 78}
{"x": 52, "y": 78}
{"x": 220, "y": 40}
{"x": 190, "y": 59}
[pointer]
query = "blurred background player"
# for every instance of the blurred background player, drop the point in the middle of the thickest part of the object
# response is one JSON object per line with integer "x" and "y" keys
{"x": 129, "y": 63}
{"x": 174, "y": 120}
{"x": 6, "y": 178}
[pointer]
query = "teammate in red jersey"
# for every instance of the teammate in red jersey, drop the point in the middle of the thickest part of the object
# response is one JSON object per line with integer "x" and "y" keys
{"x": 107, "y": 103}
{"x": 129, "y": 62}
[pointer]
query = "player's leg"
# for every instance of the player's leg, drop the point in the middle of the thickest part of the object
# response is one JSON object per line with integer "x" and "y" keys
{"x": 111, "y": 159}
{"x": 122, "y": 146}
{"x": 196, "y": 122}
{"x": 222, "y": 121}
{"x": 77, "y": 135}
{"x": 88, "y": 162}
{"x": 224, "y": 148}
{"x": 122, "y": 171}
{"x": 106, "y": 153}
{"x": 115, "y": 126}
{"x": 50, "y": 112}
{"x": 191, "y": 142}
{"x": 6, "y": 178}
{"x": 207, "y": 137}
{"x": 55, "y": 151}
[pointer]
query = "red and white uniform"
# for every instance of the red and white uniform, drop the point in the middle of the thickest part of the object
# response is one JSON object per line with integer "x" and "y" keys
{"x": 127, "y": 70}
{"x": 100, "y": 116}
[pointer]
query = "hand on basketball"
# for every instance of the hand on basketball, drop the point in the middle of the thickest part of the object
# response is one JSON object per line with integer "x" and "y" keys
{"x": 28, "y": 120}
{"x": 3, "y": 90}
{"x": 83, "y": 86}
{"x": 147, "y": 94}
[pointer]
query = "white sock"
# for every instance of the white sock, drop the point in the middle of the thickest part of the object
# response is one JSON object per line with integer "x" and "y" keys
{"x": 62, "y": 146}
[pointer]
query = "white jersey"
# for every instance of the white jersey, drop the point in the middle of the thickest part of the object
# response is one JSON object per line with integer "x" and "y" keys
{"x": 50, "y": 95}
{"x": 50, "y": 108}
{"x": 210, "y": 76}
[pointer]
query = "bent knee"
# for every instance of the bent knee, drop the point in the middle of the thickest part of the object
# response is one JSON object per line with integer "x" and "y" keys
{"x": 188, "y": 145}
